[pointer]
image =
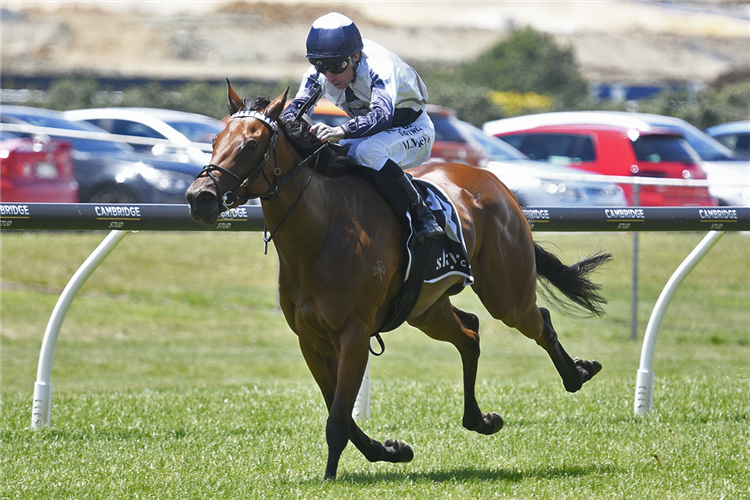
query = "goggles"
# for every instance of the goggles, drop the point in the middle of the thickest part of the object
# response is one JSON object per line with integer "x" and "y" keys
{"x": 335, "y": 67}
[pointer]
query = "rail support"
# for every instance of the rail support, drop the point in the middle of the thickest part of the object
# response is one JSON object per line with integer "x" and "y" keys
{"x": 644, "y": 383}
{"x": 41, "y": 413}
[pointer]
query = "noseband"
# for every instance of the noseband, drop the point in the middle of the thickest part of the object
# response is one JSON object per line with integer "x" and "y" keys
{"x": 230, "y": 197}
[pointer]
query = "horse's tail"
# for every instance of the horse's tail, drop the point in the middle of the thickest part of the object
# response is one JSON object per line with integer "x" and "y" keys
{"x": 572, "y": 281}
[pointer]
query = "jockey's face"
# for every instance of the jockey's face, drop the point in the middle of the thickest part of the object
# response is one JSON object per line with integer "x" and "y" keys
{"x": 341, "y": 80}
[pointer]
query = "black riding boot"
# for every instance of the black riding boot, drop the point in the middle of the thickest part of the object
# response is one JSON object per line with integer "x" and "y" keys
{"x": 425, "y": 225}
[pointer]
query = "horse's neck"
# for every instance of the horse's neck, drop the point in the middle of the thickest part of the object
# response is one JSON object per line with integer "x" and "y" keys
{"x": 301, "y": 212}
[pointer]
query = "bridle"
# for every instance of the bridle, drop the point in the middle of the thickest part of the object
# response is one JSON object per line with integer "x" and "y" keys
{"x": 230, "y": 197}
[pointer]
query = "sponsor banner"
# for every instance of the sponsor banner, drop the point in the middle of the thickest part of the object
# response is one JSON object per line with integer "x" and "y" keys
{"x": 161, "y": 217}
{"x": 126, "y": 217}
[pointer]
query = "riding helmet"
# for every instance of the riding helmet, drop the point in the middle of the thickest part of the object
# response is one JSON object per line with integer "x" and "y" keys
{"x": 333, "y": 36}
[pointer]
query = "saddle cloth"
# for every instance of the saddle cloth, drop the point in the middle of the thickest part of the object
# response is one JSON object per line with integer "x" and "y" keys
{"x": 432, "y": 260}
{"x": 435, "y": 258}
{"x": 448, "y": 255}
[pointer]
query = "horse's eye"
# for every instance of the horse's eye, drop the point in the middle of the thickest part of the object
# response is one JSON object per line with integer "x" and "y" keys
{"x": 251, "y": 144}
{"x": 213, "y": 140}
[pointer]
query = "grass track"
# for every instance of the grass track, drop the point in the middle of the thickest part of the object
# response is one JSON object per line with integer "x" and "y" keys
{"x": 176, "y": 377}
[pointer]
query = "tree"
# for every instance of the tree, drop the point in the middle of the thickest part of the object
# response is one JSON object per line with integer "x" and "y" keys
{"x": 529, "y": 61}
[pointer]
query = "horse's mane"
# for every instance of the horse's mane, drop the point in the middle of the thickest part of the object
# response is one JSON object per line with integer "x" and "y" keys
{"x": 333, "y": 161}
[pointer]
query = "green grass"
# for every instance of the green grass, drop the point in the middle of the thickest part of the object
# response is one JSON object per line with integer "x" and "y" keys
{"x": 175, "y": 376}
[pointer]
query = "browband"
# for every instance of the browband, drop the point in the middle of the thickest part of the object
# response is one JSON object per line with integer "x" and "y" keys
{"x": 258, "y": 116}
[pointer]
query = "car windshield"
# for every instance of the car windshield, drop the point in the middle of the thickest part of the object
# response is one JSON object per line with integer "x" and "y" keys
{"x": 659, "y": 148}
{"x": 708, "y": 148}
{"x": 554, "y": 148}
{"x": 499, "y": 150}
{"x": 195, "y": 131}
{"x": 445, "y": 130}
{"x": 85, "y": 145}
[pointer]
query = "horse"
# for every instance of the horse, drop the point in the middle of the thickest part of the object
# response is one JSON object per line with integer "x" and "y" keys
{"x": 331, "y": 228}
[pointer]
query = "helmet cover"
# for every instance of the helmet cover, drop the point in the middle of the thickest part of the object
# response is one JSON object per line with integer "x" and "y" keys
{"x": 333, "y": 36}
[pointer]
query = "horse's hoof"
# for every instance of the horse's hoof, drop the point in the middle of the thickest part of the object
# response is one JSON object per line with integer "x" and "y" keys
{"x": 597, "y": 366}
{"x": 398, "y": 451}
{"x": 587, "y": 368}
{"x": 496, "y": 422}
{"x": 490, "y": 424}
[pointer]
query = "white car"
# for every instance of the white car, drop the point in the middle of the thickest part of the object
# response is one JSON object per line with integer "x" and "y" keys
{"x": 727, "y": 173}
{"x": 542, "y": 184}
{"x": 183, "y": 136}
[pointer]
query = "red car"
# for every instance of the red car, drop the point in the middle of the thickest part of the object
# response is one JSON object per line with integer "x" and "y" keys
{"x": 614, "y": 150}
{"x": 36, "y": 170}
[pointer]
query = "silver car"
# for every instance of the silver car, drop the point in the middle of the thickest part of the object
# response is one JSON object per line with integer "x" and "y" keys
{"x": 734, "y": 135}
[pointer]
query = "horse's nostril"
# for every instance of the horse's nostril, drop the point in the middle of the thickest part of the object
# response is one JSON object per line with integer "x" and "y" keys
{"x": 205, "y": 197}
{"x": 200, "y": 196}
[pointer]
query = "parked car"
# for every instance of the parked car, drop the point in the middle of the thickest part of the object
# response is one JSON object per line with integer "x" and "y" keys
{"x": 727, "y": 173}
{"x": 612, "y": 148}
{"x": 734, "y": 135}
{"x": 451, "y": 143}
{"x": 38, "y": 170}
{"x": 107, "y": 171}
{"x": 190, "y": 134}
{"x": 537, "y": 183}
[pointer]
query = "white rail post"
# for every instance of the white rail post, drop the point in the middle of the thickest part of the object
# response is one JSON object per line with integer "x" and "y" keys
{"x": 362, "y": 403}
{"x": 41, "y": 412}
{"x": 644, "y": 383}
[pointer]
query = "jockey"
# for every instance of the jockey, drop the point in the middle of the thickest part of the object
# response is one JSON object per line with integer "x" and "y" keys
{"x": 385, "y": 98}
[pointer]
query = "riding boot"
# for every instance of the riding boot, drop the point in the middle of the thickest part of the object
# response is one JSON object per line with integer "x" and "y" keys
{"x": 425, "y": 225}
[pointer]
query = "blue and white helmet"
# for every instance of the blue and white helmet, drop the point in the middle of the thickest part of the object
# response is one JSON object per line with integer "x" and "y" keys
{"x": 333, "y": 36}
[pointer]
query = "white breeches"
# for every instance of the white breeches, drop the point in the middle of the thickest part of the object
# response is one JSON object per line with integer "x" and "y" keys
{"x": 408, "y": 146}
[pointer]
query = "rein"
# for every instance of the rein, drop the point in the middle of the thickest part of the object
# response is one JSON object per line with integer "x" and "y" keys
{"x": 282, "y": 181}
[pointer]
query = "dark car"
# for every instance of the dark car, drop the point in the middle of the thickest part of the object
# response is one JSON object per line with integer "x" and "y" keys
{"x": 107, "y": 171}
{"x": 36, "y": 170}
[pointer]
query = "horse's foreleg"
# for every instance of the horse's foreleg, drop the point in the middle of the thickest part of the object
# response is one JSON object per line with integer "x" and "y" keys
{"x": 352, "y": 360}
{"x": 340, "y": 427}
{"x": 391, "y": 450}
{"x": 446, "y": 323}
{"x": 324, "y": 369}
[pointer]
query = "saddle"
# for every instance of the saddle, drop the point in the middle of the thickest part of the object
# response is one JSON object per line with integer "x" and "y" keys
{"x": 432, "y": 260}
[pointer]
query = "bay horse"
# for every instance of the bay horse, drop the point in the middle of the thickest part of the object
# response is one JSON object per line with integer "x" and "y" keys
{"x": 331, "y": 228}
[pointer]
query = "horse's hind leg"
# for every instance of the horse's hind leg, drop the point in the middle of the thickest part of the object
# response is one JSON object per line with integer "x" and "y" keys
{"x": 536, "y": 324}
{"x": 507, "y": 288}
{"x": 446, "y": 323}
{"x": 574, "y": 372}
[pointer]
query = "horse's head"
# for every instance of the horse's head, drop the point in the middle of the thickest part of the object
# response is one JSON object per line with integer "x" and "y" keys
{"x": 244, "y": 161}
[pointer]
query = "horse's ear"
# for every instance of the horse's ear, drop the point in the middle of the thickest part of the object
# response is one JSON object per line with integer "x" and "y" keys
{"x": 235, "y": 103}
{"x": 277, "y": 106}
